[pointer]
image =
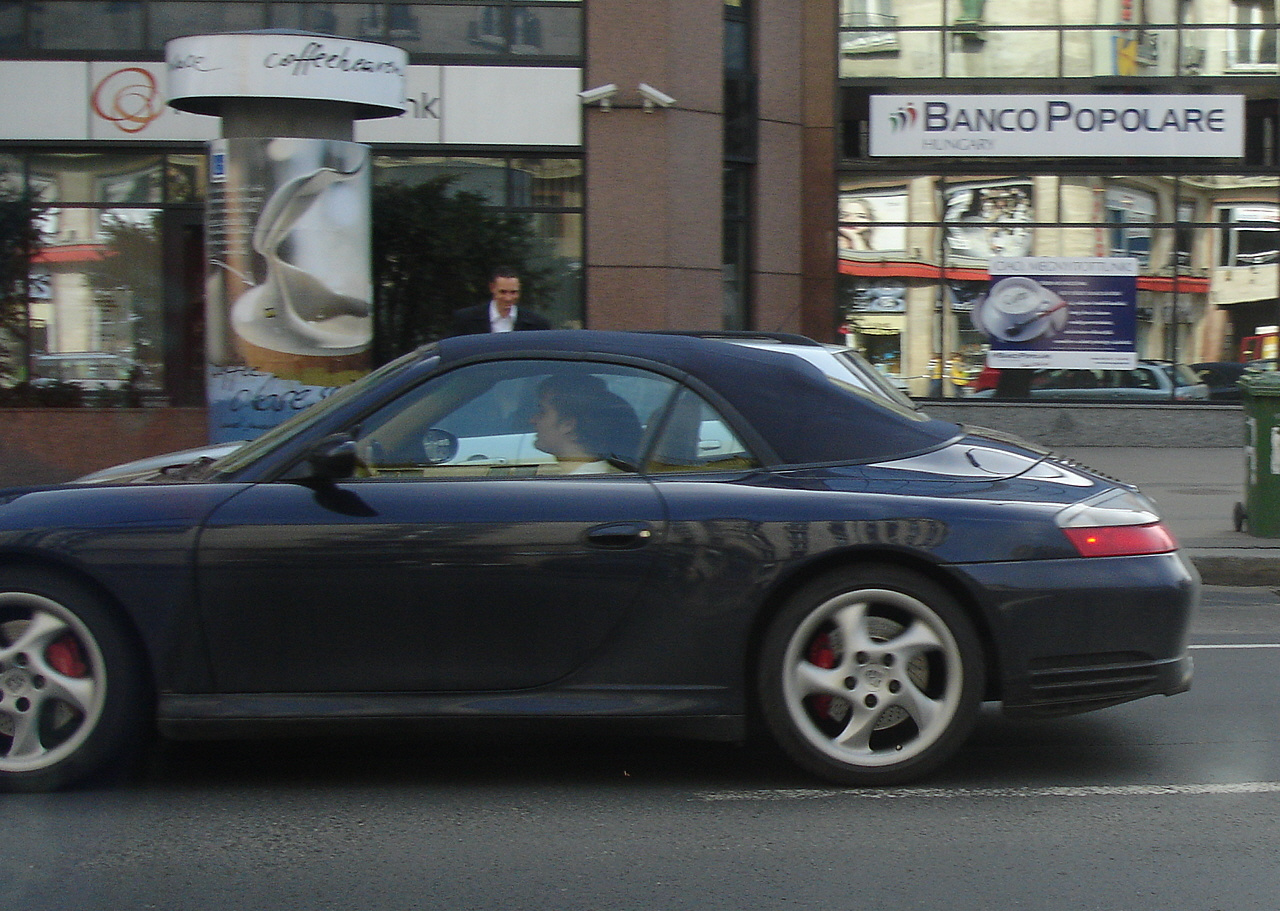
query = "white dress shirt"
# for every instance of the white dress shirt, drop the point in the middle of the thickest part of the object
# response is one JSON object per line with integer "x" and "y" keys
{"x": 499, "y": 323}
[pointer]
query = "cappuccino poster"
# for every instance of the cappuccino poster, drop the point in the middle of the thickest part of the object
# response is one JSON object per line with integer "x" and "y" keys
{"x": 1061, "y": 312}
{"x": 289, "y": 293}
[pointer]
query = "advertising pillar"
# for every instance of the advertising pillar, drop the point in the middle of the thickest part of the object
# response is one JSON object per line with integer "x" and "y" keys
{"x": 289, "y": 296}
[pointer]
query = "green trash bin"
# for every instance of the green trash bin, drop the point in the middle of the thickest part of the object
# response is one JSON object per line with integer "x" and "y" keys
{"x": 1260, "y": 513}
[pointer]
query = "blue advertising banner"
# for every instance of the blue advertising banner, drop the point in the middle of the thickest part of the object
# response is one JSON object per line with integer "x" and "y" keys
{"x": 1067, "y": 312}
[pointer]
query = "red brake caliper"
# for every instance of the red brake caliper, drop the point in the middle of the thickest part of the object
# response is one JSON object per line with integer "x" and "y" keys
{"x": 65, "y": 656}
{"x": 821, "y": 654}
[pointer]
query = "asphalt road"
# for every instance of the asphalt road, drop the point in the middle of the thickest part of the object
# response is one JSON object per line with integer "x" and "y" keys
{"x": 1160, "y": 804}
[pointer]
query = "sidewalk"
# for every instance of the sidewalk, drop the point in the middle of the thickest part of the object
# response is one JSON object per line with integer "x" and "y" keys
{"x": 1196, "y": 491}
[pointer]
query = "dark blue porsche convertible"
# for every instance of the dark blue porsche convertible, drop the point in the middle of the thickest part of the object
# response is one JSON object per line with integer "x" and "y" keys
{"x": 670, "y": 531}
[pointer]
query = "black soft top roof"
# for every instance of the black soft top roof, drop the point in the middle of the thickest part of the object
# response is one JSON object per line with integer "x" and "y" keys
{"x": 794, "y": 406}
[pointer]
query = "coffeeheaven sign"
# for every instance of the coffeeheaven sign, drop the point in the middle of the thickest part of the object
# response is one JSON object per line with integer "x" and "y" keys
{"x": 1035, "y": 126}
{"x": 206, "y": 71}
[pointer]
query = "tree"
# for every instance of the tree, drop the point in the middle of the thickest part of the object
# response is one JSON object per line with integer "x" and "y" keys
{"x": 19, "y": 242}
{"x": 130, "y": 260}
{"x": 129, "y": 287}
{"x": 433, "y": 251}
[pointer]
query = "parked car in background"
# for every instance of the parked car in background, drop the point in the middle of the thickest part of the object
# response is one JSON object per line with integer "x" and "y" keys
{"x": 86, "y": 369}
{"x": 1150, "y": 381}
{"x": 1222, "y": 378}
{"x": 159, "y": 464}
{"x": 984, "y": 380}
{"x": 702, "y": 534}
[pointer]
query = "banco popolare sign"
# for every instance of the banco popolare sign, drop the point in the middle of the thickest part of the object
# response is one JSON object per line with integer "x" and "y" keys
{"x": 1033, "y": 126}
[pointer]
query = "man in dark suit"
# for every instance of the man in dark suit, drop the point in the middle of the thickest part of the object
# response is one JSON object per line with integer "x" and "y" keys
{"x": 502, "y": 313}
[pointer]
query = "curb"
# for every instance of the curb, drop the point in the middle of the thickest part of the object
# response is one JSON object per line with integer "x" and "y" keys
{"x": 1235, "y": 570}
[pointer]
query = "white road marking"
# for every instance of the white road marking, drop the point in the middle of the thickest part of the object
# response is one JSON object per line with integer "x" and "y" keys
{"x": 1134, "y": 790}
{"x": 1240, "y": 645}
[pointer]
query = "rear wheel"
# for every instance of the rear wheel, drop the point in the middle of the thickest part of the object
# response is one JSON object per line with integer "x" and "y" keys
{"x": 72, "y": 701}
{"x": 871, "y": 676}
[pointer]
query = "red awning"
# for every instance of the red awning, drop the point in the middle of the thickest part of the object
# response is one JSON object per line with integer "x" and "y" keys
{"x": 1185, "y": 284}
{"x": 70, "y": 253}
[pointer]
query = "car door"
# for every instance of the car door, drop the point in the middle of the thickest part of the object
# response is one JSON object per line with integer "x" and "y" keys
{"x": 461, "y": 559}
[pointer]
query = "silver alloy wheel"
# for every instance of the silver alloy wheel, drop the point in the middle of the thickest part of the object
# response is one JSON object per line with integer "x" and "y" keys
{"x": 872, "y": 677}
{"x": 52, "y": 682}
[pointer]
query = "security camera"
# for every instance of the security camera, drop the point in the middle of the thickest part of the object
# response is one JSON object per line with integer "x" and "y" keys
{"x": 601, "y": 95}
{"x": 653, "y": 96}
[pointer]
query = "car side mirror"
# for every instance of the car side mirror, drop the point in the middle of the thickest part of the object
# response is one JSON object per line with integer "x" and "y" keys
{"x": 333, "y": 458}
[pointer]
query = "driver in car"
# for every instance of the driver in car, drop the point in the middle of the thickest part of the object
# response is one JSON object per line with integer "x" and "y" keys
{"x": 587, "y": 428}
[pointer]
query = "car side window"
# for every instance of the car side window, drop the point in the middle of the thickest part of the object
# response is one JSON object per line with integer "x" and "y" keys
{"x": 517, "y": 418}
{"x": 695, "y": 437}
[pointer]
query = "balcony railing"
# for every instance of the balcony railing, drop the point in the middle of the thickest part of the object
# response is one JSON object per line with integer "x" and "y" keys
{"x": 865, "y": 32}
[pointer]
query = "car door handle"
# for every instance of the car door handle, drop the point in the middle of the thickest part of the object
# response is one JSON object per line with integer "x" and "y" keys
{"x": 620, "y": 535}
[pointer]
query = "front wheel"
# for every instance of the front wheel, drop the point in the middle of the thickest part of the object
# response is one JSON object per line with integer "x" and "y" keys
{"x": 871, "y": 676}
{"x": 72, "y": 701}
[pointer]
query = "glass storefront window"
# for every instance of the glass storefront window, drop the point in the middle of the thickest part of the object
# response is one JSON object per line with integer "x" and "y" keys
{"x": 347, "y": 19}
{"x": 547, "y": 182}
{"x": 1207, "y": 248}
{"x": 186, "y": 177}
{"x": 121, "y": 237}
{"x": 518, "y": 183}
{"x": 11, "y": 180}
{"x": 982, "y": 40}
{"x": 890, "y": 52}
{"x": 1138, "y": 52}
{"x": 525, "y": 186}
{"x": 550, "y": 28}
{"x": 1249, "y": 234}
{"x": 191, "y": 17}
{"x": 559, "y": 260}
{"x": 485, "y": 177}
{"x": 1130, "y": 214}
{"x": 443, "y": 28}
{"x": 735, "y": 257}
{"x": 460, "y": 30}
{"x": 87, "y": 25}
{"x": 873, "y": 220}
{"x": 992, "y": 52}
{"x": 97, "y": 298}
{"x": 100, "y": 178}
{"x": 1254, "y": 42}
{"x": 11, "y": 29}
{"x": 989, "y": 218}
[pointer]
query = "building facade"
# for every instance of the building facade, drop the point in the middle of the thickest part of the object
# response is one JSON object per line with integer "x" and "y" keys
{"x": 648, "y": 214}
{"x": 917, "y": 234}
{"x": 729, "y": 178}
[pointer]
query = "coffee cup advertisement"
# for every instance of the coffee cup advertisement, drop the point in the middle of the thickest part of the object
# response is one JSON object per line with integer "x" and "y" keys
{"x": 1072, "y": 312}
{"x": 288, "y": 291}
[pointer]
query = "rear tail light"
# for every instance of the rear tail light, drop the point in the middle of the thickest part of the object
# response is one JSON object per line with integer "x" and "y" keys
{"x": 1122, "y": 540}
{"x": 1117, "y": 523}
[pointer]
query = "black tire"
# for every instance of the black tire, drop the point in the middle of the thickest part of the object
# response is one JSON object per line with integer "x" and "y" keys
{"x": 871, "y": 676}
{"x": 73, "y": 703}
